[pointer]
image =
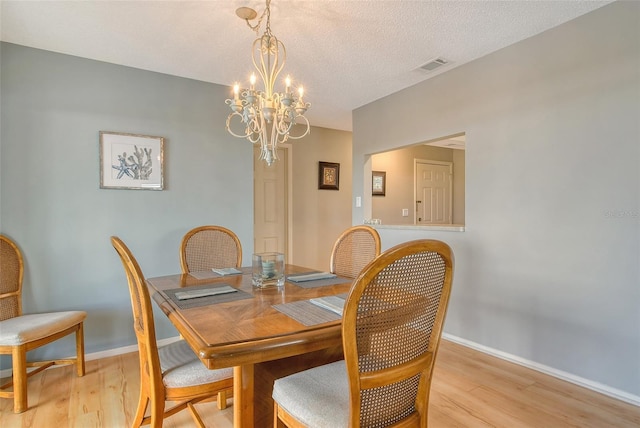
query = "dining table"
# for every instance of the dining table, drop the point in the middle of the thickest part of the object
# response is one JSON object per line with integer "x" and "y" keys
{"x": 263, "y": 333}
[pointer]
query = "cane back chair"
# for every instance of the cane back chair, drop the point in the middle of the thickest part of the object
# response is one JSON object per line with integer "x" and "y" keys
{"x": 169, "y": 373}
{"x": 353, "y": 249}
{"x": 207, "y": 247}
{"x": 391, "y": 330}
{"x": 20, "y": 333}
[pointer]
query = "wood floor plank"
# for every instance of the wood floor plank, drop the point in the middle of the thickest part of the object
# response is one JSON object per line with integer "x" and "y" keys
{"x": 476, "y": 409}
{"x": 447, "y": 411}
{"x": 601, "y": 412}
{"x": 482, "y": 371}
{"x": 469, "y": 390}
{"x": 54, "y": 395}
{"x": 121, "y": 387}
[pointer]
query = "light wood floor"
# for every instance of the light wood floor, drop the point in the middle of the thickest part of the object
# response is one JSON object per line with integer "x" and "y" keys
{"x": 470, "y": 389}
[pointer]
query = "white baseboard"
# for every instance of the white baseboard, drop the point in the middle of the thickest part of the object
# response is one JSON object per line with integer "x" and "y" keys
{"x": 577, "y": 380}
{"x": 105, "y": 354}
{"x": 125, "y": 349}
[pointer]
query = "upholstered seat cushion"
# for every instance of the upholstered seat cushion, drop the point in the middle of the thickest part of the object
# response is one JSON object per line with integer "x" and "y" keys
{"x": 318, "y": 397}
{"x": 27, "y": 328}
{"x": 181, "y": 367}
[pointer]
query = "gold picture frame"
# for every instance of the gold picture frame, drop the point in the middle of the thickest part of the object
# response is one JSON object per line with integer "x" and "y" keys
{"x": 328, "y": 175}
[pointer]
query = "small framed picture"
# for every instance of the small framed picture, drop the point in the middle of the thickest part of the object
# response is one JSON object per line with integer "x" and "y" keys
{"x": 378, "y": 183}
{"x": 130, "y": 161}
{"x": 328, "y": 175}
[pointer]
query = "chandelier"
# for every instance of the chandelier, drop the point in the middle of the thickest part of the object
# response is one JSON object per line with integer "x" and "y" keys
{"x": 268, "y": 117}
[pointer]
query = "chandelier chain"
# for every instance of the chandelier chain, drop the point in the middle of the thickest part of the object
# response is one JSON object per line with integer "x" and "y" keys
{"x": 266, "y": 12}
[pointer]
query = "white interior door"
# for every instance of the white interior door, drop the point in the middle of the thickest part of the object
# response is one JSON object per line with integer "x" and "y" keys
{"x": 433, "y": 192}
{"x": 270, "y": 202}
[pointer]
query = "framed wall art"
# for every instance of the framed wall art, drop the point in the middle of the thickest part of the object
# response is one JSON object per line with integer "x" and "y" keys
{"x": 378, "y": 183}
{"x": 328, "y": 175}
{"x": 131, "y": 161}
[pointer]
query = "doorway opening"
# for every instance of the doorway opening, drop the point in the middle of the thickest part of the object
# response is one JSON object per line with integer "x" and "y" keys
{"x": 272, "y": 203}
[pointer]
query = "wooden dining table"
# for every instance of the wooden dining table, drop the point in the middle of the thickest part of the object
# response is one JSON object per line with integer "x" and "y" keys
{"x": 250, "y": 334}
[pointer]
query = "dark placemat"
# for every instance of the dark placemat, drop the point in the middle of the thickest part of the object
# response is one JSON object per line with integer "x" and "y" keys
{"x": 321, "y": 282}
{"x": 206, "y": 300}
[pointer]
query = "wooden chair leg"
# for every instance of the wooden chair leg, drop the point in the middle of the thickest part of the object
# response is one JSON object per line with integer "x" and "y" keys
{"x": 19, "y": 357}
{"x": 80, "y": 368}
{"x": 275, "y": 415}
{"x": 196, "y": 416}
{"x": 140, "y": 411}
{"x": 222, "y": 400}
{"x": 157, "y": 410}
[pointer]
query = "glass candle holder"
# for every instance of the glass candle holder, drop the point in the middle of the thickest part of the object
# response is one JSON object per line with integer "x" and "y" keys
{"x": 268, "y": 270}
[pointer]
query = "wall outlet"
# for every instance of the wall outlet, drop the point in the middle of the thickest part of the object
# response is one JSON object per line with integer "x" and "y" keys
{"x": 358, "y": 201}
{"x": 405, "y": 212}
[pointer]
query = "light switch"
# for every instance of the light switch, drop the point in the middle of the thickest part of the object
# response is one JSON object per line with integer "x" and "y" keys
{"x": 358, "y": 201}
{"x": 405, "y": 212}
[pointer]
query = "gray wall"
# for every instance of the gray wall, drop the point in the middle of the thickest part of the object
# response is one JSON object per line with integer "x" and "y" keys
{"x": 548, "y": 268}
{"x": 53, "y": 107}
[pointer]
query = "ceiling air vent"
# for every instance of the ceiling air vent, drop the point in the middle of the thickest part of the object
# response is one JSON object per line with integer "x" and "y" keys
{"x": 433, "y": 64}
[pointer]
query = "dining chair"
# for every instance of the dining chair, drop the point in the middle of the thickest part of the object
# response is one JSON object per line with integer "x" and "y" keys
{"x": 391, "y": 329}
{"x": 207, "y": 247}
{"x": 353, "y": 249}
{"x": 169, "y": 373}
{"x": 20, "y": 333}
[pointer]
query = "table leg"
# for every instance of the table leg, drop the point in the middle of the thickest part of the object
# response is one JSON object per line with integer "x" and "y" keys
{"x": 243, "y": 396}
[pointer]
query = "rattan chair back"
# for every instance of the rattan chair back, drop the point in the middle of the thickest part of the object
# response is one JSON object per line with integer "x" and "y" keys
{"x": 355, "y": 247}
{"x": 391, "y": 330}
{"x": 143, "y": 322}
{"x": 207, "y": 247}
{"x": 11, "y": 272}
{"x": 153, "y": 390}
{"x": 20, "y": 333}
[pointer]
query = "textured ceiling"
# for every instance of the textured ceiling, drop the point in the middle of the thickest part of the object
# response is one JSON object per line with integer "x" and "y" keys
{"x": 345, "y": 53}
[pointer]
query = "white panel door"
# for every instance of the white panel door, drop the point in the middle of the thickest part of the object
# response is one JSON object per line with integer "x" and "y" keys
{"x": 270, "y": 204}
{"x": 433, "y": 192}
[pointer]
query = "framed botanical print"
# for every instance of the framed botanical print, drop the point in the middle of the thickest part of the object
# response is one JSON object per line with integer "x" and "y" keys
{"x": 328, "y": 175}
{"x": 131, "y": 161}
{"x": 378, "y": 183}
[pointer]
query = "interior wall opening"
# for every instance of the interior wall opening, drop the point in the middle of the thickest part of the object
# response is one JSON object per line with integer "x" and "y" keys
{"x": 421, "y": 184}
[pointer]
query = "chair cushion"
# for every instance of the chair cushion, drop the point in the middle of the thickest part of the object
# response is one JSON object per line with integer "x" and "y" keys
{"x": 318, "y": 397}
{"x": 27, "y": 328}
{"x": 181, "y": 367}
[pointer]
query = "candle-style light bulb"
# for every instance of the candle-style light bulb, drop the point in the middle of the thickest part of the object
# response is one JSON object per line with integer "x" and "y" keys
{"x": 301, "y": 92}
{"x": 236, "y": 91}
{"x": 252, "y": 80}
{"x": 287, "y": 82}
